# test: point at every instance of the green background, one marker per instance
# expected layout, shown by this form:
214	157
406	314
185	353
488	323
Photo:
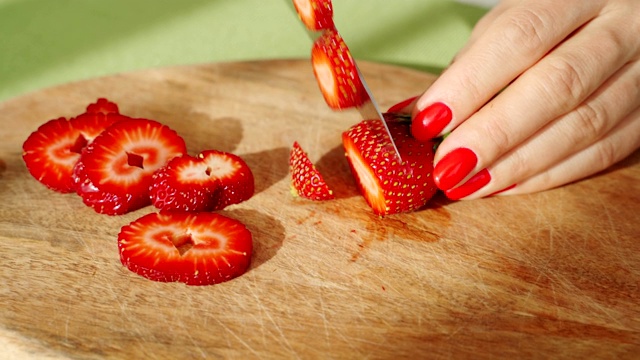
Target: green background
49	42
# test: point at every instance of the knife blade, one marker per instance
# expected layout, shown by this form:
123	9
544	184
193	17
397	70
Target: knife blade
315	27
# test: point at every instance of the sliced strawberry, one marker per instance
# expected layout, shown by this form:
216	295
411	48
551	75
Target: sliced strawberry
336	72
185	184
235	179
388	186
306	180
103	106
118	165
196	249
52	151
315	14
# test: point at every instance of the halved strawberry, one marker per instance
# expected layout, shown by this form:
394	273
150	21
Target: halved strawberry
196	249
315	14
306	180
390	187
114	172
104	106
52	151
336	72
210	181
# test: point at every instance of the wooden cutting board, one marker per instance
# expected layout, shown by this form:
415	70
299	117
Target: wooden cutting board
554	274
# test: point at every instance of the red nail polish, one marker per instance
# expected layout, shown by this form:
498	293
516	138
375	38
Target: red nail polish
454	167
477	182
430	122
401	105
503	190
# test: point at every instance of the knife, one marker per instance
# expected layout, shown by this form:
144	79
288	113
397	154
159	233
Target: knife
317	18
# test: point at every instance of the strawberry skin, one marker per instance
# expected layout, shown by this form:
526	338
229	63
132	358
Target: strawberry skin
52	151
193	248
117	167
103	106
336	72
184	184
388	186
315	14
306	180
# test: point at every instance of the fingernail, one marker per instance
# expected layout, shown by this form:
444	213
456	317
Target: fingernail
503	190
454	167
430	122
401	105
477	182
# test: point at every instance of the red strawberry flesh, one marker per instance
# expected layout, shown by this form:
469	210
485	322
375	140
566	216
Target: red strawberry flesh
235	178
390	187
196	249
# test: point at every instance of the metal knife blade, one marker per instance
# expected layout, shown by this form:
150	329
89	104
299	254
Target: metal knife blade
369	110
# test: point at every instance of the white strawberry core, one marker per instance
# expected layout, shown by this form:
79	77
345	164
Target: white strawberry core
304	8
326	79
220	167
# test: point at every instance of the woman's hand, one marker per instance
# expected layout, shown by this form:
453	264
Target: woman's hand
546	92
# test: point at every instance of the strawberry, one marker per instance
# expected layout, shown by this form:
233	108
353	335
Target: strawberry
114	172
390	187
52	151
210	181
103	106
306	180
336	72
196	249
315	14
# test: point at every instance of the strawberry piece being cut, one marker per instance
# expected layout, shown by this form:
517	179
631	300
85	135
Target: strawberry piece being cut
306	180
196	249
210	181
114	172
390	187
336	72
52	151
316	15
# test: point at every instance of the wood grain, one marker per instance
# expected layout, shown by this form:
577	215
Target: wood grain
554	274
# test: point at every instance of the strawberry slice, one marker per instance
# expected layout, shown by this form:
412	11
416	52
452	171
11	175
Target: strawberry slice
234	177
315	14
115	170
336	72
390	187
196	249
306	180
52	151
104	106
210	181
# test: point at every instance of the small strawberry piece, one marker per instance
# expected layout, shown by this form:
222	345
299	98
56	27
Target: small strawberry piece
185	184
103	106
336	72
115	170
52	151
315	14
390	187
196	249
306	180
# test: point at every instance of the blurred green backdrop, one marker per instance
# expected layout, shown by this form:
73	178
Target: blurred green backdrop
48	42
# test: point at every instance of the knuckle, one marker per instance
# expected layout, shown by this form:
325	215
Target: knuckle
590	121
500	136
524	28
564	80
606	154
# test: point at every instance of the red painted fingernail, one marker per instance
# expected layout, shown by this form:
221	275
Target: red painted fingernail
503	190
401	105
454	167
477	182
430	122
